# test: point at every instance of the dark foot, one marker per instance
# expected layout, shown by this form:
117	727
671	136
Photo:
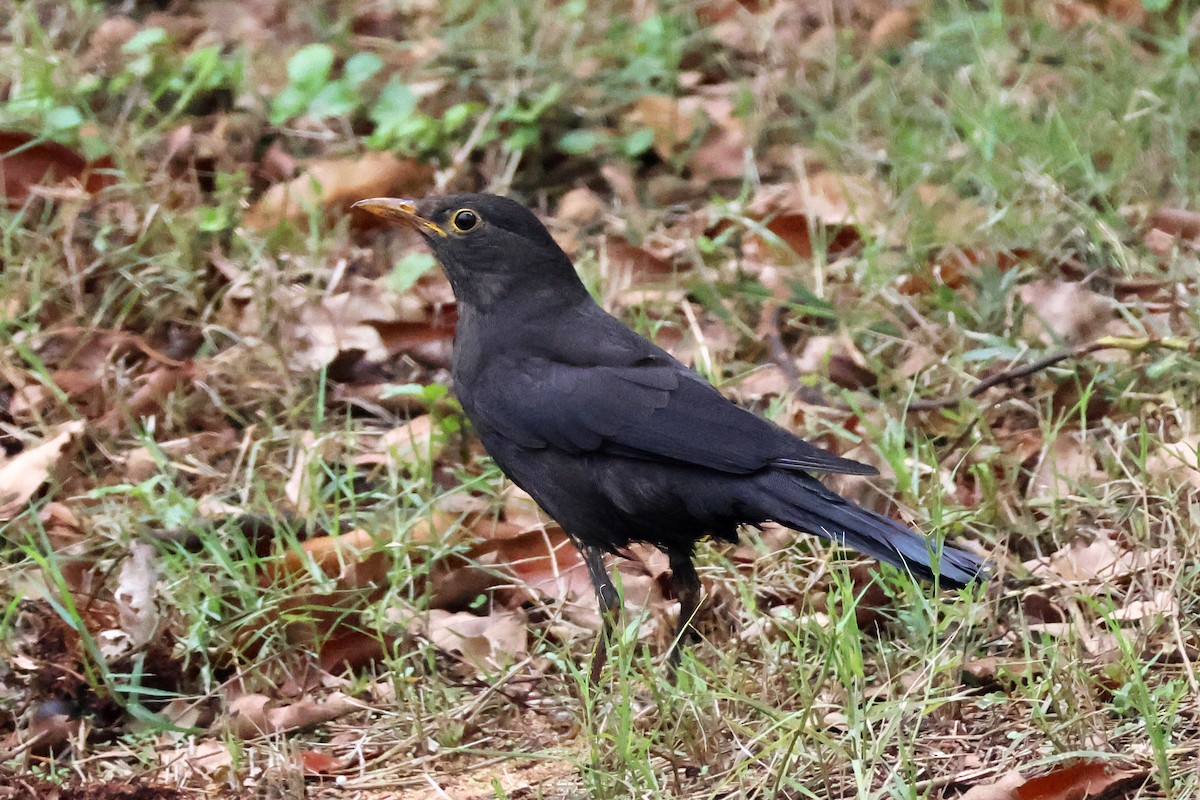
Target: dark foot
610	603
685	583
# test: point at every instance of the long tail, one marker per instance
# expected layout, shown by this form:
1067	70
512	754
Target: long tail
801	502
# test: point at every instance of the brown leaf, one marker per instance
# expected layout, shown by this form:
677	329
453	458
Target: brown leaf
1181	222
402	336
337	184
252	715
310	711
1068	14
619	176
277	164
1102	559
1129	12
825	198
49	732
546	562
1040	609
358	563
721	155
319	329
357	560
106	41
22	475
1076	782
489	641
765	381
988	670
672	120
839	358
1065	465
26	162
315	762
135	595
353	649
1161	606
1177	461
580	207
633	260
1003	789
147	400
897	26
418	440
1066	311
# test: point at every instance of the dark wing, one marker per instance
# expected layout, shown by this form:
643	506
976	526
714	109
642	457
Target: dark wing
654	408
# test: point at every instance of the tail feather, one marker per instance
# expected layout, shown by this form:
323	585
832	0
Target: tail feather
801	502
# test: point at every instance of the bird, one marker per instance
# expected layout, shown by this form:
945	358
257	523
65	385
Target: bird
611	435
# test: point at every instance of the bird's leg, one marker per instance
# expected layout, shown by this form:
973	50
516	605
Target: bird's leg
610	603
685	583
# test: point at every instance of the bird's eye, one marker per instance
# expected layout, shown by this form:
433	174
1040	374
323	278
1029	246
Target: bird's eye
465	220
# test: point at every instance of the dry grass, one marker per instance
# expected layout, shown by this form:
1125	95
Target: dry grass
847	218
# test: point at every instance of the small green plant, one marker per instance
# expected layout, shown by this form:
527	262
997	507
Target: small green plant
400	123
313	91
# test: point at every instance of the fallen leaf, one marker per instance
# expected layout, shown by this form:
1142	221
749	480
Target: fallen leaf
838	358
1181	222
580	207
1101	558
792	212
896	27
253	715
419	440
356	559
22	475
673	121
1003	789
619	176
1068	15
309	712
1065	311
106	41
1162	606
353	649
627	259
721	154
487	641
315	762
338	184
147	400
137	588
48	732
1077	782
765	381
1040	609
546	563
1159	242
1177	461
367	317
1065	465
26	163
990	669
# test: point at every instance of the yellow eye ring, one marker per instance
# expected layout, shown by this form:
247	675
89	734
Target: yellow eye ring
465	220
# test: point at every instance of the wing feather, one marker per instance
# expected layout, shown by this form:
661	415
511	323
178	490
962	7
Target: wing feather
654	409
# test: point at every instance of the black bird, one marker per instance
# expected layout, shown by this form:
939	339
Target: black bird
611	435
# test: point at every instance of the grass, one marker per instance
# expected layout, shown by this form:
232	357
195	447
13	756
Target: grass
1000	149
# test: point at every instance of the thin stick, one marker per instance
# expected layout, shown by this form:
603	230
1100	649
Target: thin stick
1133	344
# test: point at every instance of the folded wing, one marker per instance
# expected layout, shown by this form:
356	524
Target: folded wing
652	409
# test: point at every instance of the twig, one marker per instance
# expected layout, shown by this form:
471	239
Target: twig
768	328
1133	344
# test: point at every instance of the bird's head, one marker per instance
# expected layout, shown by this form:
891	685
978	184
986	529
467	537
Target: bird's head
490	247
